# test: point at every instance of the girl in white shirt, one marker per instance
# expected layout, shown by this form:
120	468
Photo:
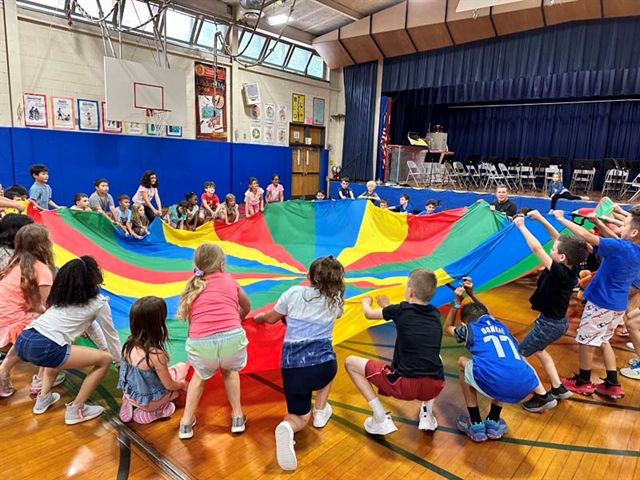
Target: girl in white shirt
74	302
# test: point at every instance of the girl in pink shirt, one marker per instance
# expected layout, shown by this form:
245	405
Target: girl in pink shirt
253	198
275	191
215	305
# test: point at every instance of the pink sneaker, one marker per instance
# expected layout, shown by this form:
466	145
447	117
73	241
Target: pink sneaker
572	385
612	391
144	417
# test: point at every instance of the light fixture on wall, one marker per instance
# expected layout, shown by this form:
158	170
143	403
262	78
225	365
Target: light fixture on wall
280	19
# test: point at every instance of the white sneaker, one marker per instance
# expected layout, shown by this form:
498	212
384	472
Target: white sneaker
633	373
238	424
285	453
43	403
427	421
630	346
321	417
380	428
81	413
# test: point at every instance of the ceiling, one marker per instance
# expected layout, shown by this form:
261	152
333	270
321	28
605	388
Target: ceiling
310	18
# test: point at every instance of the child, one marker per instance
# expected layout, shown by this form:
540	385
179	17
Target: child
369	193
556	190
308	360
75	301
275	191
607	297
123	216
228	211
502	204
416	372
18	194
40	192
147	191
215	305
253	198
101	200
345	192
177	215
429	207
193	219
404	207
210	202
10	224
551	299
320	196
81	202
384	204
496	369
146	380
139	221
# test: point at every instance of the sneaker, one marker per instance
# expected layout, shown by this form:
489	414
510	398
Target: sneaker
81	413
6	389
43	403
538	403
126	410
630	346
633	373
186	429
613	391
634	362
572	384
238	424
428	420
144	417
321	417
285	453
380	428
560	393
36	383
476	431
495	430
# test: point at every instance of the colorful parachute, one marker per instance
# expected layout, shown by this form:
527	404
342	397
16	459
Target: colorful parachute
269	253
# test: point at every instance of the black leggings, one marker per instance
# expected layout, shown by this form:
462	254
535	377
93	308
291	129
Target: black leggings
567	195
149	213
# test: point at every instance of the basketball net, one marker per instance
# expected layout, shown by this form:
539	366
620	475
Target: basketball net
158	119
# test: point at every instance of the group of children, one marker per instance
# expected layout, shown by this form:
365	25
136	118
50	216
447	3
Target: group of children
404	205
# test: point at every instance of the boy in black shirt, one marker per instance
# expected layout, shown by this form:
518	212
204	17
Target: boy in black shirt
551	299
502	203
416	372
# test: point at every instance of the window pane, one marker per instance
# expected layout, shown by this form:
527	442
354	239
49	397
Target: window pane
91	7
208	30
59	4
136	13
316	67
279	53
255	47
179	25
299	59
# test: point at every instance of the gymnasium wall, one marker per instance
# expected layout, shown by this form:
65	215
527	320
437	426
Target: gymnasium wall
5	117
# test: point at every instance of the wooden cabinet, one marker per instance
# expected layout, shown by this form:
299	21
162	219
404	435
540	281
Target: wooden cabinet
305	159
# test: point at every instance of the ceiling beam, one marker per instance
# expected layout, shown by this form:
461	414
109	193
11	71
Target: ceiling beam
341	9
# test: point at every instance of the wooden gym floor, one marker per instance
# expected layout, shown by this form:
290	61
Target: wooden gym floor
583	437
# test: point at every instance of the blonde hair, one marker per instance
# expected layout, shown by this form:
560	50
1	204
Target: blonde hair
371	183
208	258
136	218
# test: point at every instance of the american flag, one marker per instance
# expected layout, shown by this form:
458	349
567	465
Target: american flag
385	138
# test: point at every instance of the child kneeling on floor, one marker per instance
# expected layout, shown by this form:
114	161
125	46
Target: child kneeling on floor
149	385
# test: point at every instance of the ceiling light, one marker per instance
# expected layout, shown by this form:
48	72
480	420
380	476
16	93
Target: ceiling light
278	19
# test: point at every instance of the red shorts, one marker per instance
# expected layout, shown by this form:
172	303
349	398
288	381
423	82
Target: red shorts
403	388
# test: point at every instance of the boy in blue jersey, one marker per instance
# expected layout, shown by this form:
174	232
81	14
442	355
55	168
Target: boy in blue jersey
607	298
496	369
40	191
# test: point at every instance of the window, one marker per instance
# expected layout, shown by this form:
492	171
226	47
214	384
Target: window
91	7
57	4
254	49
316	67
207	32
179	25
299	59
279	54
136	13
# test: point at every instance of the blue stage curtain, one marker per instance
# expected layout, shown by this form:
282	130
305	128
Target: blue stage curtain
577	60
360	90
384	106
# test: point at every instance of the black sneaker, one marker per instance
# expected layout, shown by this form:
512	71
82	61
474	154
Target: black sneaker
560	393
537	403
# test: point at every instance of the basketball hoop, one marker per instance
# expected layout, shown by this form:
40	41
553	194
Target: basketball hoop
158	120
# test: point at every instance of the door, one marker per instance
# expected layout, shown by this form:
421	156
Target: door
305	171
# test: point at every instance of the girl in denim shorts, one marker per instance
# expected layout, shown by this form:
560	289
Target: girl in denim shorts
215	305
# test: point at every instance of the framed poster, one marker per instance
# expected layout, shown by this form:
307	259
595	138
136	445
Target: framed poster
297	107
35	110
255	111
88	116
64	115
154	129
109	126
318	111
269	112
134	128
269	134
173	131
256	133
282	114
282	136
211	103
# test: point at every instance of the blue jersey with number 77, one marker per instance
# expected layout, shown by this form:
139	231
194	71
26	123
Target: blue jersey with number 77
498	368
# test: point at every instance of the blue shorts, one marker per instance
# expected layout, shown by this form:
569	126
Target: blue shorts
33	347
545	331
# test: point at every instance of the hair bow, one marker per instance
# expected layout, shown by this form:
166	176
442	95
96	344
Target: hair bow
197	272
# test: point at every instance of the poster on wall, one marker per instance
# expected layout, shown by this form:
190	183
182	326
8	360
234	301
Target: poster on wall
211	108
64	115
109	126
134	128
269	112
297	108
282	135
256	132
269	134
318	111
174	131
88	117
35	110
282	114
255	112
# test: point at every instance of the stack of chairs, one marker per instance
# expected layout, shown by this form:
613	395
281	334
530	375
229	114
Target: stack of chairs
584	173
616	176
